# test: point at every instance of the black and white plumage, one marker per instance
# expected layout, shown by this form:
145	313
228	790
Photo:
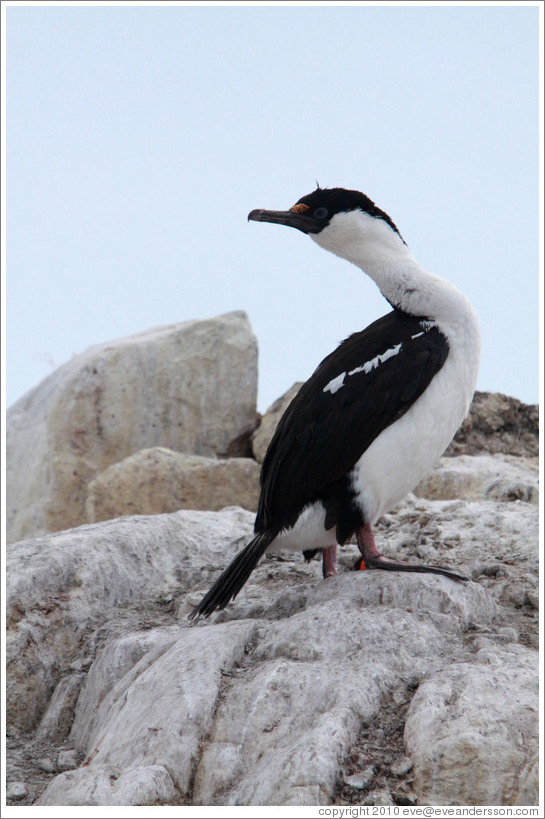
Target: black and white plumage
376	414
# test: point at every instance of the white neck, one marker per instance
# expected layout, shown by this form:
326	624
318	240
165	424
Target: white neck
372	245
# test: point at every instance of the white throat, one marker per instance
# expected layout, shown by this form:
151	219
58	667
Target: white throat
372	245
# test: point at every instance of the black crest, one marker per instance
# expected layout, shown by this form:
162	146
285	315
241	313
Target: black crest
341	200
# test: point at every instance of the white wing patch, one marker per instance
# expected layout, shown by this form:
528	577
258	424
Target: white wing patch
336	383
378	359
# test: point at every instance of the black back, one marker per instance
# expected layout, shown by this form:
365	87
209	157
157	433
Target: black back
322	434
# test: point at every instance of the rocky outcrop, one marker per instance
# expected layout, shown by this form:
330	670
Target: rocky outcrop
190	387
158	480
367	688
62	585
370	688
498	423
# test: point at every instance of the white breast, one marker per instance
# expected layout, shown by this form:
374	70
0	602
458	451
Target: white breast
409	448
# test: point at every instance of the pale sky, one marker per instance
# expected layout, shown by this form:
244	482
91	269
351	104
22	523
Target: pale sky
139	138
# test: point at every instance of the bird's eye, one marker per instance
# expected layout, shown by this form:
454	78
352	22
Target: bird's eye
321	213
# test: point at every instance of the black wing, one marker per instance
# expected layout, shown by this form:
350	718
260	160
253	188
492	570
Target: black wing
334	418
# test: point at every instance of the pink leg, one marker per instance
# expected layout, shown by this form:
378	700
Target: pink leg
329	561
373	559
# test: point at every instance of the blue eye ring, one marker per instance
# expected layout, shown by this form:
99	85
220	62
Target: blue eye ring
321	213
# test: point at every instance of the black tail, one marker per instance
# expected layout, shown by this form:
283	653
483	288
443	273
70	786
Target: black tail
233	578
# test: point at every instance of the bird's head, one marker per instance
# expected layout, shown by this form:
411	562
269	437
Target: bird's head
337	219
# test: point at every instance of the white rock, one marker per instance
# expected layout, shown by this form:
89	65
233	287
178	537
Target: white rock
267	741
381	797
67	760
144	785
480	718
320	674
476	477
139	785
113	664
190	387
360	781
466	535
80	787
57	720
60	586
158	480
148	711
16	791
45	764
401	766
